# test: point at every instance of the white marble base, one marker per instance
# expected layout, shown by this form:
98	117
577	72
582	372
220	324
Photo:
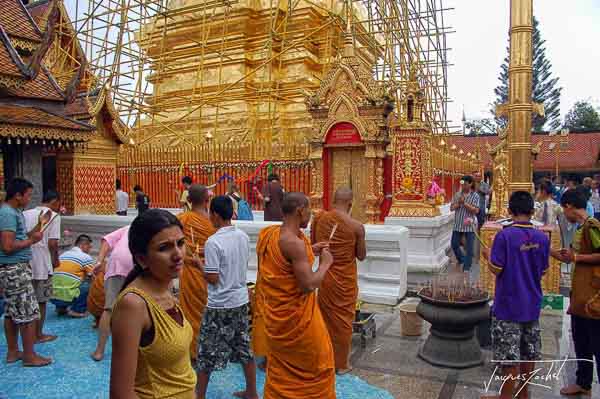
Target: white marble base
382	275
429	240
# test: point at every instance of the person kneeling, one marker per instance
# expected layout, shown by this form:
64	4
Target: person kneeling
519	258
225	334
70	281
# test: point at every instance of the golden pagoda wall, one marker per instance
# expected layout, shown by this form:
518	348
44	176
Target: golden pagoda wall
245	110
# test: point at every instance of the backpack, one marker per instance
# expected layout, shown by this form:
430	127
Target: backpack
244	211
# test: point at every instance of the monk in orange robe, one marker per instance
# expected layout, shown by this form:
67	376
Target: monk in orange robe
339	290
300	356
259	338
193	292
95	299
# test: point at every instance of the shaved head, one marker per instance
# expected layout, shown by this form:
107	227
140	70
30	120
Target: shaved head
293	201
343	195
198	194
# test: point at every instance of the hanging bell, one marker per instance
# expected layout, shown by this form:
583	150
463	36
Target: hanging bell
18	141
9	142
26	141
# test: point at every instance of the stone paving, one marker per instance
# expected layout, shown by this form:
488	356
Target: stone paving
390	361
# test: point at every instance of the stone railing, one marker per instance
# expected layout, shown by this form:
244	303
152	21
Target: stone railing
382	275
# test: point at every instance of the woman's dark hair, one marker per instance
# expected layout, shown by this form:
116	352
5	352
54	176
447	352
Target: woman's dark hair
118	184
521	203
142	231
186	180
137	187
272	177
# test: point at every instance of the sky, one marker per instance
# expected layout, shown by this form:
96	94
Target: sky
478	46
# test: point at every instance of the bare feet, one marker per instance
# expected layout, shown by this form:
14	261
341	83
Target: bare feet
245	395
343	371
13	357
76	314
45	338
97	357
37	361
574	389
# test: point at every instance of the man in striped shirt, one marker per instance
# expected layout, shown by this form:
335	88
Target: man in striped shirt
465	205
71	279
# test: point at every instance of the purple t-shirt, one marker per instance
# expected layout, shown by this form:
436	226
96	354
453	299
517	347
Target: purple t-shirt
522	252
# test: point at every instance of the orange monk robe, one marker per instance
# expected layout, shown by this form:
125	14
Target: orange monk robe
259	338
300	357
193	292
339	289
95	299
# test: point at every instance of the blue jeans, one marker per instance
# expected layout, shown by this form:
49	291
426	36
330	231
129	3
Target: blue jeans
77	305
464	259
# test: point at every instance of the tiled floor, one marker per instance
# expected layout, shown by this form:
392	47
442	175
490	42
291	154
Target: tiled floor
73	375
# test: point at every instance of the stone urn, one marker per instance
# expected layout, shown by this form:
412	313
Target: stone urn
452	341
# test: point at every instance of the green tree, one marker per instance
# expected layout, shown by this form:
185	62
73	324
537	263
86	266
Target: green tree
582	116
545	87
476	127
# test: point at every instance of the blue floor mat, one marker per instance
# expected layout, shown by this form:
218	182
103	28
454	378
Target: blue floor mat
75	375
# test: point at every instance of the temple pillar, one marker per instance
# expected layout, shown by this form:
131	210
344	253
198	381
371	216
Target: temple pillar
316	175
520	105
374	154
32	171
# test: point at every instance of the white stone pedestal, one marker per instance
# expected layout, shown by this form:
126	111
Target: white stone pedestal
382	276
429	240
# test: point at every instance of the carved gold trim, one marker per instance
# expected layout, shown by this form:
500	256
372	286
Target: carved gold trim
11	81
24	44
47	133
413	209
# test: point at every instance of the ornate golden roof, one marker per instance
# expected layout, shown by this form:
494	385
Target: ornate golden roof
33	104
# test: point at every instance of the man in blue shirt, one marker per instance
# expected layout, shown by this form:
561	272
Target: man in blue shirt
519	258
22	309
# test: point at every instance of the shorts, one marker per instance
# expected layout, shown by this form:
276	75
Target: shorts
112	288
224	337
21	305
42	289
516	341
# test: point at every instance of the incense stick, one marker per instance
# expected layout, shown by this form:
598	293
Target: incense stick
333	232
45	226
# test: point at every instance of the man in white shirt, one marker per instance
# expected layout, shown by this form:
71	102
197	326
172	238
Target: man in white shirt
225	334
44	256
122	200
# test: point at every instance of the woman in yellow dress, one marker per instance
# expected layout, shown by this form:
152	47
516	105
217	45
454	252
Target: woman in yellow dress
151	338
